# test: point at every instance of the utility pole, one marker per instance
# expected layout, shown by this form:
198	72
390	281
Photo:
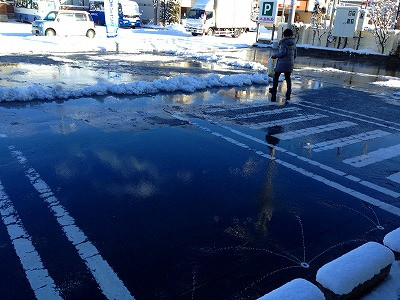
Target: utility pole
291	13
332	15
331	22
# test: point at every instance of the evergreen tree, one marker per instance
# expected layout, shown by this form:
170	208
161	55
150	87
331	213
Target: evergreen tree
163	11
173	11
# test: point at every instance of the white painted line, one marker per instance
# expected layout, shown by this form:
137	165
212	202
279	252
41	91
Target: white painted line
373	157
267	112
380	123
287	121
395	177
351	177
380	189
108	281
305	159
313	130
354	113
385	206
39	279
233	108
349	140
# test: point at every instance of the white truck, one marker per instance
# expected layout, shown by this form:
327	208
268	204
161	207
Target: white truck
220	17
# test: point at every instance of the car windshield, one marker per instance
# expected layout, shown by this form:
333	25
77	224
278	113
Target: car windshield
195	14
51	16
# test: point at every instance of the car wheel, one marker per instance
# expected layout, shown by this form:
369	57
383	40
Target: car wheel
50	32
236	33
194	33
210	32
90	33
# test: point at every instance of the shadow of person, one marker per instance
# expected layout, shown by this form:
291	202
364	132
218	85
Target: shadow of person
271	139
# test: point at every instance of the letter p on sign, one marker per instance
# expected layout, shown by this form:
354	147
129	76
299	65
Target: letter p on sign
267	9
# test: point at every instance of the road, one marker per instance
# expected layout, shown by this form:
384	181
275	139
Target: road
218	194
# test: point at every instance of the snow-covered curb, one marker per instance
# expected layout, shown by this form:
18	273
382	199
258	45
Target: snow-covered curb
187	84
392	240
349	272
297	289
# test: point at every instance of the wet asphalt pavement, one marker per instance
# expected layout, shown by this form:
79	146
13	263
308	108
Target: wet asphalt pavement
218	194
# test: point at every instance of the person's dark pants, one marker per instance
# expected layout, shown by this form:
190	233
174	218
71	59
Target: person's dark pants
288	83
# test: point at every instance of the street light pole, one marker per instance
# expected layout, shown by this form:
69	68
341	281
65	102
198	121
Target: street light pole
291	13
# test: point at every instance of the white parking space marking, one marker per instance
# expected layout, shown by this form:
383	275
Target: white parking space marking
305	159
108	281
267	112
379	124
373	201
330	108
39	279
374	157
288	121
349	140
395	177
313	130
380	189
233	108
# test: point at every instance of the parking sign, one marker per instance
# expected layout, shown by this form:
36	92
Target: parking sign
268	11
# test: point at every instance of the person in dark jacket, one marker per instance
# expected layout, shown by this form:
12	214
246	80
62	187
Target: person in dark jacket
286	56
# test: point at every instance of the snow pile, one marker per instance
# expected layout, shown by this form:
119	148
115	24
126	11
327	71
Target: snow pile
297	289
188	84
393	83
217	59
345	273
392	240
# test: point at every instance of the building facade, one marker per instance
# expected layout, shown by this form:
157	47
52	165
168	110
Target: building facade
149	13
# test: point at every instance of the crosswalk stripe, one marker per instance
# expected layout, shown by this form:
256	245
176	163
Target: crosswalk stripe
373	157
233	108
313	130
385	206
349	140
108	281
395	177
287	121
267	112
39	279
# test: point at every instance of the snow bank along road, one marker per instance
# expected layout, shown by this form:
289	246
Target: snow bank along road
60	209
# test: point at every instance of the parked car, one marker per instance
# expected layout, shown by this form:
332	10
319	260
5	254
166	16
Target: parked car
65	22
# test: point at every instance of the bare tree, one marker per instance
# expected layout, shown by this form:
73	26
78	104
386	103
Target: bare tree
383	14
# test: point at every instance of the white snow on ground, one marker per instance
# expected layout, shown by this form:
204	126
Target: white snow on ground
188	84
19	39
362	51
171	40
297	289
345	273
393	83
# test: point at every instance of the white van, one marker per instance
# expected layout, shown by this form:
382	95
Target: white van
65	22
